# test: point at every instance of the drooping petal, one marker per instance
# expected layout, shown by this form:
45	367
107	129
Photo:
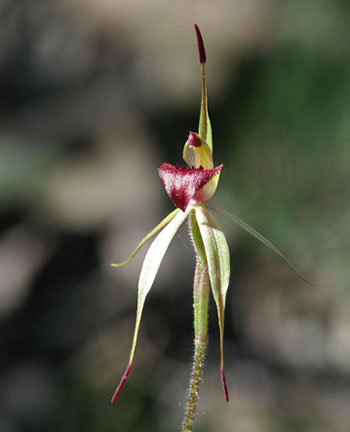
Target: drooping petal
164	222
182	184
150	267
218	258
261	238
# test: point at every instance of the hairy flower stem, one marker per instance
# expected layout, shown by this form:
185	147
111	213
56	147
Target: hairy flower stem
195	381
200	307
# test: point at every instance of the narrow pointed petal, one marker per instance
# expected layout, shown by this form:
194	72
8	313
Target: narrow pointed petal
218	258
260	237
182	184
164	222
148	273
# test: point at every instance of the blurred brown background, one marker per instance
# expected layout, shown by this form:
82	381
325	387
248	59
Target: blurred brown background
94	96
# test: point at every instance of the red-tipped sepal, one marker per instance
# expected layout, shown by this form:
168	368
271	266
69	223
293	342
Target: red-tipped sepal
150	267
122	382
201	49
223	382
184	184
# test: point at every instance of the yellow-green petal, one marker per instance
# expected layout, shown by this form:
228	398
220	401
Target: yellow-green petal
150	267
204	128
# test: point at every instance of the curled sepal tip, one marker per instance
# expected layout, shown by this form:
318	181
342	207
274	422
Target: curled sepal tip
150	267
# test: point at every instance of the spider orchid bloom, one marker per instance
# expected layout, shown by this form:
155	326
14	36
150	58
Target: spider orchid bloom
189	188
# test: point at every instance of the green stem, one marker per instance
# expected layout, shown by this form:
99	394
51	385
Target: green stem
200	306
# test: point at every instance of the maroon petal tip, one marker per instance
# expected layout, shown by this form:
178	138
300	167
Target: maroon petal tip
122	382
201	49
223	383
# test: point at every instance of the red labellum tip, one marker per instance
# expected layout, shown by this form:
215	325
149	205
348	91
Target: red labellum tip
201	49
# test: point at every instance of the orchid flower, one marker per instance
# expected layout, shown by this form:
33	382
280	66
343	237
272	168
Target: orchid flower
189	188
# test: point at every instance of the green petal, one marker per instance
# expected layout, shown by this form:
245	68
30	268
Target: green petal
164	222
150	266
204	129
260	237
218	259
